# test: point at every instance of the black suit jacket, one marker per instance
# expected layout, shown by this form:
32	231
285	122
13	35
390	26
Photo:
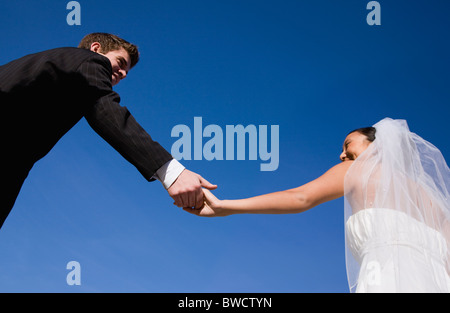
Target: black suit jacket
43	95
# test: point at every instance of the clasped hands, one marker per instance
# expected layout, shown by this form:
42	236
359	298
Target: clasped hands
191	192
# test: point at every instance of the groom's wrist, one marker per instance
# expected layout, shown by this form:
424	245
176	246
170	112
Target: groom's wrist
169	172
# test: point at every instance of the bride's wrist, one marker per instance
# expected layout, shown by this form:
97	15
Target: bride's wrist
221	204
226	207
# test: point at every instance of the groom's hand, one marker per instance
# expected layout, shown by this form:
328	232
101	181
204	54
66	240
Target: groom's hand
187	192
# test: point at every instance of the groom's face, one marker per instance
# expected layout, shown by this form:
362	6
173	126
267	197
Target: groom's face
120	63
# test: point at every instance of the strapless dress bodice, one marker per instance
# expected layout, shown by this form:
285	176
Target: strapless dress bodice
396	253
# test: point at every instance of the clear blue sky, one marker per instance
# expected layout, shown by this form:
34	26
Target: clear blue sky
315	68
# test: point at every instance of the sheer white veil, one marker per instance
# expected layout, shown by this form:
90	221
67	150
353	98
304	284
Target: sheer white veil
408	178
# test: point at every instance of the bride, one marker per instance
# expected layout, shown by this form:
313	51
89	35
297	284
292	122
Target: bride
396	191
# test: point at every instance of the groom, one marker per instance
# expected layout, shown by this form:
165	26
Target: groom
43	95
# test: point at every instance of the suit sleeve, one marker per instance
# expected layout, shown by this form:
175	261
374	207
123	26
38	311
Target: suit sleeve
115	124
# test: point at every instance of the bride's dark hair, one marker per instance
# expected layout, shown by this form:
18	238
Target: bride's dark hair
369	132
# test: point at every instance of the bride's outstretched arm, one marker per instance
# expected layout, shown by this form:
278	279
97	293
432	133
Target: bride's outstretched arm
327	187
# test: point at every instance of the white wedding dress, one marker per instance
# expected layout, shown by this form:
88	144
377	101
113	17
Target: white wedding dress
397	214
396	253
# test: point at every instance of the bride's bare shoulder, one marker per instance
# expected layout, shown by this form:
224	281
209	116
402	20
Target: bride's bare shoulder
340	168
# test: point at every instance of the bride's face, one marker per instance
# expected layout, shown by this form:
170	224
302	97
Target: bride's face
354	145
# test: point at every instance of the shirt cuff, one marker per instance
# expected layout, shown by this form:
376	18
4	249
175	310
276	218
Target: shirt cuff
169	172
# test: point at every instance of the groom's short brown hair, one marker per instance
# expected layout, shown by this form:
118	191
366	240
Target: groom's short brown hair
110	42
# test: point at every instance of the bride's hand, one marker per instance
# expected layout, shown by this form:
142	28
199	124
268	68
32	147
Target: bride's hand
211	206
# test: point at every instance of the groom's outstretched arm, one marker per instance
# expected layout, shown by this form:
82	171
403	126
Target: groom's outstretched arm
117	126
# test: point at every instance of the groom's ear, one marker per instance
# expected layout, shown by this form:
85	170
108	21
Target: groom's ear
96	47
